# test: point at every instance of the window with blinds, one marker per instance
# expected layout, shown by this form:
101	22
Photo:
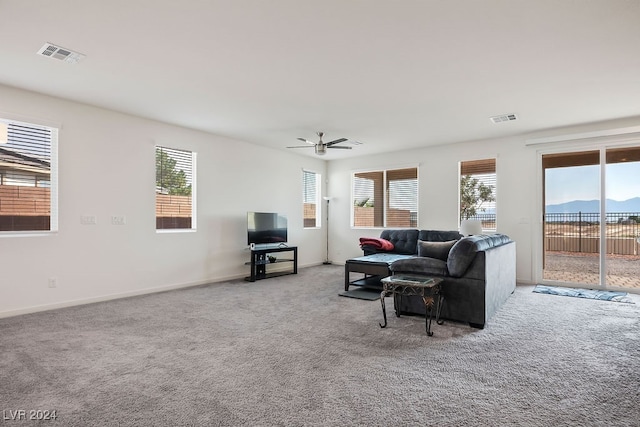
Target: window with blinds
28	177
175	186
387	198
311	199
478	192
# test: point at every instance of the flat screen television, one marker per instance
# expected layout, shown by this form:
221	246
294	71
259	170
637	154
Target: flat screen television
266	228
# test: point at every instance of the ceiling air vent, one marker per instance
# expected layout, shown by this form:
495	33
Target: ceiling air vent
60	53
503	118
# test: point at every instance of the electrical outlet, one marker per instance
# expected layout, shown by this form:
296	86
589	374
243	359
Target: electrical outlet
118	220
88	220
53	282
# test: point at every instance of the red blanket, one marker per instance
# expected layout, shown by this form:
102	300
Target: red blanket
377	243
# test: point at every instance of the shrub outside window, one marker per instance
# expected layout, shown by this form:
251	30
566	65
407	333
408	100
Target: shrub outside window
478	192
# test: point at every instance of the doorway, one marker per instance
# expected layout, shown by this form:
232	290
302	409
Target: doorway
587	195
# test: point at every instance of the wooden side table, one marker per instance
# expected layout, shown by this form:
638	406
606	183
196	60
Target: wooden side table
426	287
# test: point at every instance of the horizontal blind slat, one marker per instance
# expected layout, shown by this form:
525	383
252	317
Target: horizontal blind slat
478	167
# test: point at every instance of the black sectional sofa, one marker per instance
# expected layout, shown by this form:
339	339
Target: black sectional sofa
377	259
479	272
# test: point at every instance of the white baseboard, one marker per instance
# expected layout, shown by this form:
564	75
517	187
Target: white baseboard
137	292
109	297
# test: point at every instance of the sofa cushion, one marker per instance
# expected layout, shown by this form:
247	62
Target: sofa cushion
420	265
439	235
461	256
438	250
377	243
405	241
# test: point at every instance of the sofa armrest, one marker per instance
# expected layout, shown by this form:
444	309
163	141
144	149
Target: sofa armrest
500	276
464	251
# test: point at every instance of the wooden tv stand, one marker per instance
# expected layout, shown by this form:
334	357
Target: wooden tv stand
260	260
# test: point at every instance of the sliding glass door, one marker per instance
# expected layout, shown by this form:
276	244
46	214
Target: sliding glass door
572	217
587	195
622	255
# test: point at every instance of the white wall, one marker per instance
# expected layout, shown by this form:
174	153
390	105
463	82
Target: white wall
107	167
519	210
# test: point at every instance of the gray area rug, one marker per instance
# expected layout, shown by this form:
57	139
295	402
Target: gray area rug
289	351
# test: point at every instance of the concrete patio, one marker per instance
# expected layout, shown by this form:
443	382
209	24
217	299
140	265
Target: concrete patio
623	271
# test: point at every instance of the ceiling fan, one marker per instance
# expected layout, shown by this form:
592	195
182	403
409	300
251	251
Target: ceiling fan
321	146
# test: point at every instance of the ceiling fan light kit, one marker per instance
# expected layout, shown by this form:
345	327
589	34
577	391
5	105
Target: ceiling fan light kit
321	147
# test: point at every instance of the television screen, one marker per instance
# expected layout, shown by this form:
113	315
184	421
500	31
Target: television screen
266	227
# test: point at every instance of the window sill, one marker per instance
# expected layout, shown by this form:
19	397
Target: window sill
176	230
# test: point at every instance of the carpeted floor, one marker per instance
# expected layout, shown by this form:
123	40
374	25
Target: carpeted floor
289	351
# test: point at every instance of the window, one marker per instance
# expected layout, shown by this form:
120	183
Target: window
387	198
478	192
311	199
28	177
175	185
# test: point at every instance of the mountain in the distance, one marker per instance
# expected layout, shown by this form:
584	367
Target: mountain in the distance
593	206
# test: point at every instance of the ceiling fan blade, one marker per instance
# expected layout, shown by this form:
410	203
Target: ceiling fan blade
341	147
301	146
307	141
336	141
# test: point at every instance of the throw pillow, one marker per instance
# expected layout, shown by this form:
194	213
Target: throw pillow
438	250
462	255
376	242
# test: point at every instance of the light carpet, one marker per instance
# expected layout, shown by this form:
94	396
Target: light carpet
289	351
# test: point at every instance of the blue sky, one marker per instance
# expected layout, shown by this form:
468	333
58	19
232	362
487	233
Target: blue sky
583	183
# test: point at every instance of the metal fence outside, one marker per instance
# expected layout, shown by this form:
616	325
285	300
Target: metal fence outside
488	221
580	232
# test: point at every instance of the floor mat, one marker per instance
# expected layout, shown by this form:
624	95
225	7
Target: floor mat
584	293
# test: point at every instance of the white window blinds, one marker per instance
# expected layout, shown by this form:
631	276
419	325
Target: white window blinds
387	198
28	171
175	184
311	199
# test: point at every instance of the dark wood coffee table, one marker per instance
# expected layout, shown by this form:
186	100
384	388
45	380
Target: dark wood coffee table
403	284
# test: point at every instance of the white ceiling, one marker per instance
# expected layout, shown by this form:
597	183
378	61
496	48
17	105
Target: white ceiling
391	74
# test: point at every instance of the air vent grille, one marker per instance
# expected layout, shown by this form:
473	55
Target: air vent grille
503	118
56	52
